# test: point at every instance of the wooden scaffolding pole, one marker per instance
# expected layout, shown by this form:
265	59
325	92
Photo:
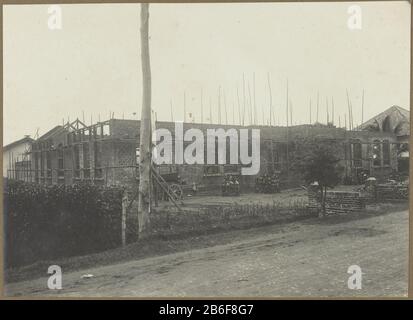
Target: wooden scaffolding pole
270	92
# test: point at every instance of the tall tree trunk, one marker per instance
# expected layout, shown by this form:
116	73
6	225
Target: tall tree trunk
145	129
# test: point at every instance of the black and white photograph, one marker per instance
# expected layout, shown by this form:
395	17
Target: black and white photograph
203	150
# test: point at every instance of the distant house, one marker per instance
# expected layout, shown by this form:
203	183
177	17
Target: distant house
16	156
394	120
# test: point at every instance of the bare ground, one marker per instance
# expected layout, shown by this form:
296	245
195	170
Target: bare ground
303	258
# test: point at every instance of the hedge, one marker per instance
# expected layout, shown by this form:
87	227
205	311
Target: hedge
47	222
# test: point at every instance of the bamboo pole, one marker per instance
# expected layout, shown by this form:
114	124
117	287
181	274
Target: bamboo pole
233	112
219	105
263	117
210	110
244	100
255	105
269	88
172	113
273	115
250	104
225	107
291	113
184	107
310	111
287	105
362	108
332	111
239	108
349	110
202	108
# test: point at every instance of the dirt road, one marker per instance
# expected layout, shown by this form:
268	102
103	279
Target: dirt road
304	258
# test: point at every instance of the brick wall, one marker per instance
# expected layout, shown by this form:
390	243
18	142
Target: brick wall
337	202
392	192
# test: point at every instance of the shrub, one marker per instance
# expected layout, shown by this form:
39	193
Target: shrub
46	222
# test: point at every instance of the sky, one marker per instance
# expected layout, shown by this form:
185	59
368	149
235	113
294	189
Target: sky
91	67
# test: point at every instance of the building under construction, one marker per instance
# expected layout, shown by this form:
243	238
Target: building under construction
106	153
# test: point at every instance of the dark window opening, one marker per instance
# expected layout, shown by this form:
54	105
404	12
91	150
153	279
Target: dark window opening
41	164
377	153
386	153
98	160
49	164
86	161
60	162
76	161
357	154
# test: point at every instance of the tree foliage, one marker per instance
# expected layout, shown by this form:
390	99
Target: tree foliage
318	161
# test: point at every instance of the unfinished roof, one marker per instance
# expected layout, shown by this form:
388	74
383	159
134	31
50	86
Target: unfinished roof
50	133
395	119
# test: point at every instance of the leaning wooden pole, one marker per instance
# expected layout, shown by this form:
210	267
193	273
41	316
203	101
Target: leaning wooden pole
144	206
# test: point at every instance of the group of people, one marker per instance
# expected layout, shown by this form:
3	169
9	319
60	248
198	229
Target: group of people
231	186
268	183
